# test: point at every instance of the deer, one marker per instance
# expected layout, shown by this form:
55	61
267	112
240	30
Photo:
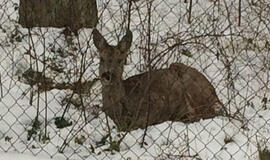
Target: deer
177	93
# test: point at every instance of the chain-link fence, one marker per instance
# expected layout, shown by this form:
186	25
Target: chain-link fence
51	94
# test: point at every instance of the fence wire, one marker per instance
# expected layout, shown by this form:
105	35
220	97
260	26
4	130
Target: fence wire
51	94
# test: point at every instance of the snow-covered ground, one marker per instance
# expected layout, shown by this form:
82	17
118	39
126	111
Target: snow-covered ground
17	156
220	138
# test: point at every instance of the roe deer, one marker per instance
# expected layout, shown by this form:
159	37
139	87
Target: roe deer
177	93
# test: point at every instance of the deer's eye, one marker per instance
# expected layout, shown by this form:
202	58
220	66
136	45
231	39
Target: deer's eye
101	59
119	61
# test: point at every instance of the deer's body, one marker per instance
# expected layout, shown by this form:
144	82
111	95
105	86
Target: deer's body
178	93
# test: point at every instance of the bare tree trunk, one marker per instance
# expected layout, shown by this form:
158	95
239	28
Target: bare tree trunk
58	13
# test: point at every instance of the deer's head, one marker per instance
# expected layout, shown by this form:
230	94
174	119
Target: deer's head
112	58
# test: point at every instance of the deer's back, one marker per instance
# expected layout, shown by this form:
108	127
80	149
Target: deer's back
179	93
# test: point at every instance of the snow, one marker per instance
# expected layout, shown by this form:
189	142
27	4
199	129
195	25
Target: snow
16	156
219	138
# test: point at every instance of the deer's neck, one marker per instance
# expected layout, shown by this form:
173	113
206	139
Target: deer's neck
114	93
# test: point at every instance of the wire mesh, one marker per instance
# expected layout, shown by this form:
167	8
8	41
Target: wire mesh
51	94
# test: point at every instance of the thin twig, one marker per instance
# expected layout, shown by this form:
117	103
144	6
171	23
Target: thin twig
44	82
1	87
189	12
239	13
149	6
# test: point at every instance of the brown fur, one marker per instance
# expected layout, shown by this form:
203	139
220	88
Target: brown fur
178	93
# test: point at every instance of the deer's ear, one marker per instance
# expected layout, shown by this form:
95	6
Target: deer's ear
125	42
99	41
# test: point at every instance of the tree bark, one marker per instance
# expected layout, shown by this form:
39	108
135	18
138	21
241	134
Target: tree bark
75	14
